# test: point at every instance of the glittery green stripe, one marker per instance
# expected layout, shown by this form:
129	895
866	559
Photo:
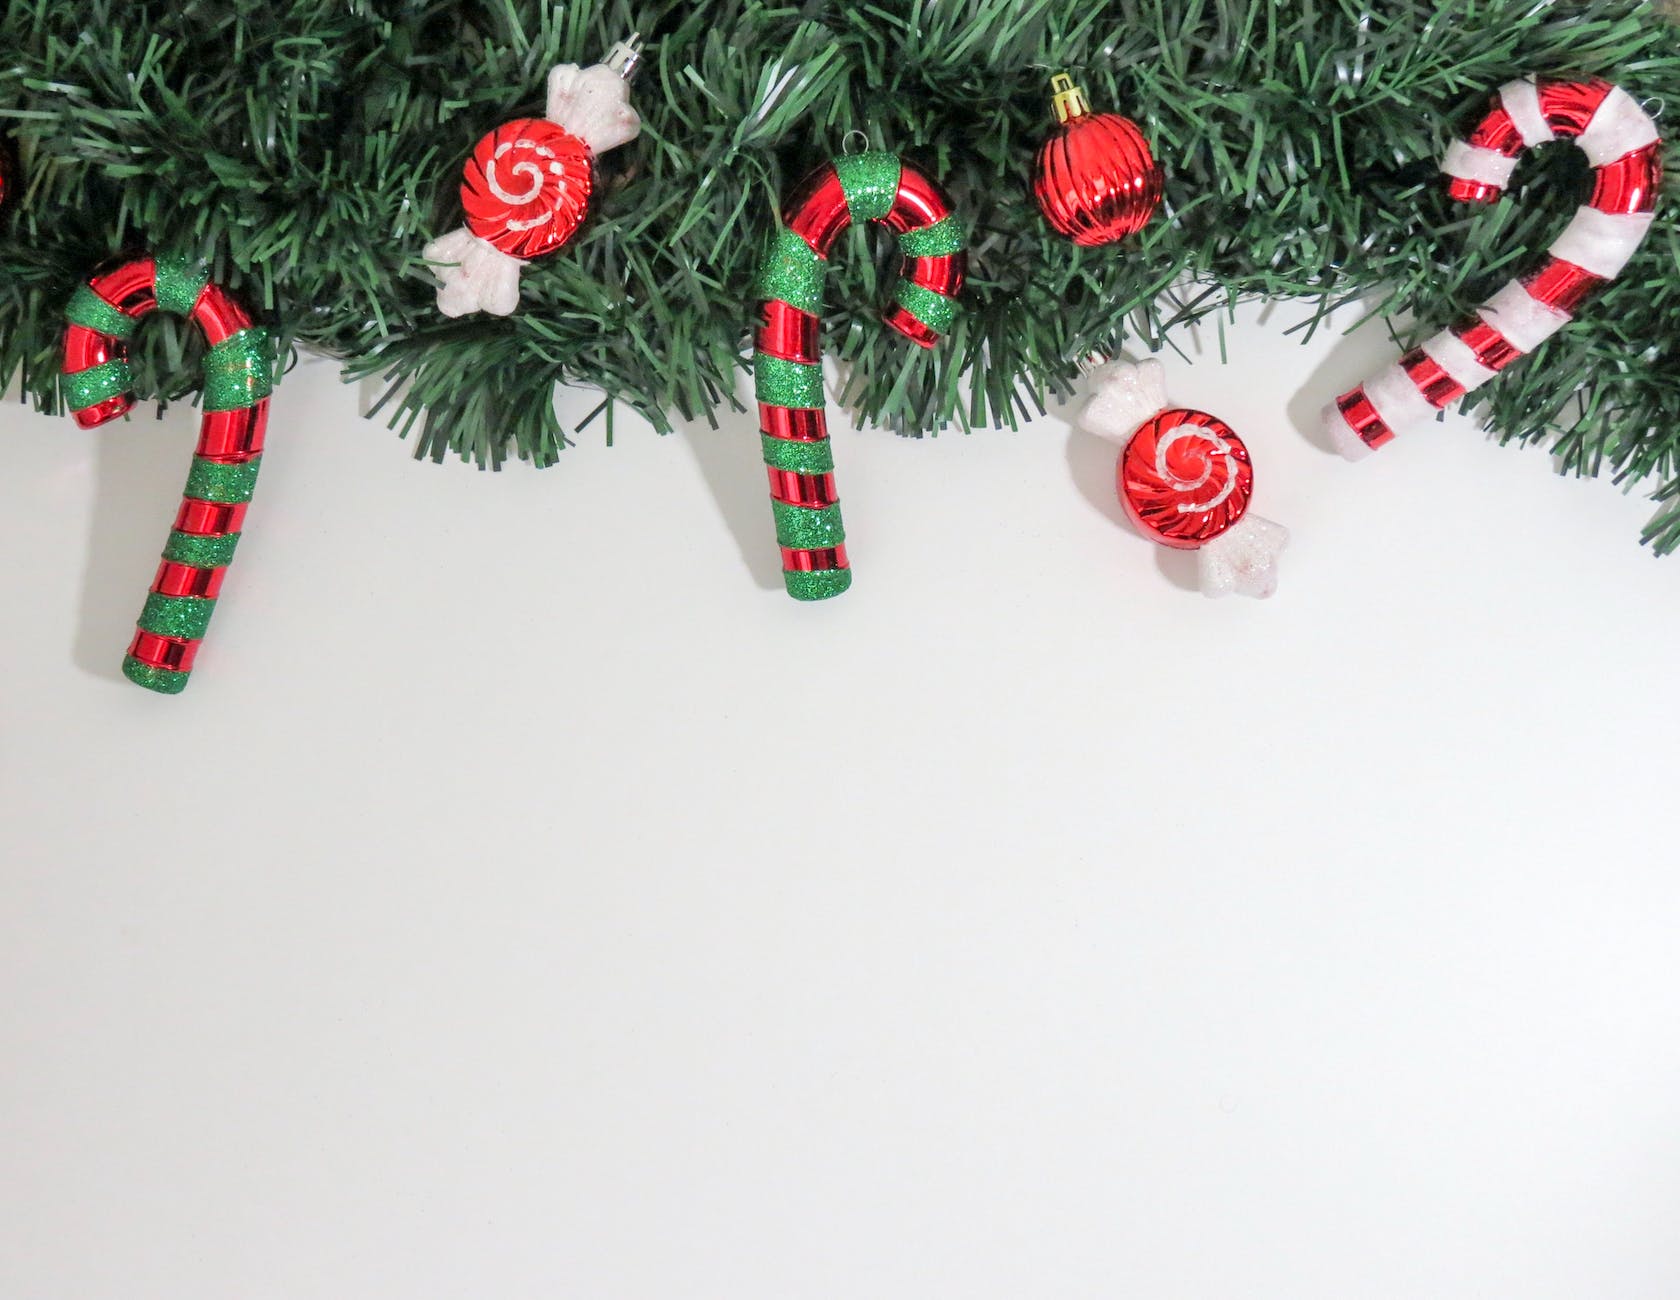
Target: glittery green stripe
816	584
236	371
182	616
214	480
808	529
165	681
89	309
800	456
934	310
178	284
201	552
780	382
92	386
792	272
869	182
943	237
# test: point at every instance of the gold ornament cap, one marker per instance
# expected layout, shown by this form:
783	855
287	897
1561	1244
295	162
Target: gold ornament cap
1067	98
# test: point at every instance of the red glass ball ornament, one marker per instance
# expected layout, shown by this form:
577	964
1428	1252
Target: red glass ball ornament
526	187
1095	179
1185	477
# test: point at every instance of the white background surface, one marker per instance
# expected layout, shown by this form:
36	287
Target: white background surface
526	899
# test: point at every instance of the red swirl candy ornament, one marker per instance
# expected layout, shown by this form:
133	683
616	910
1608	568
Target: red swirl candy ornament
527	186
1185	479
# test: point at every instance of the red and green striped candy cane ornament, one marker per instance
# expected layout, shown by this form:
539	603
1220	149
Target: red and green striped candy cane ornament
787	363
98	386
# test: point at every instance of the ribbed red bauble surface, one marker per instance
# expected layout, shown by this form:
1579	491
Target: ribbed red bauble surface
1095	180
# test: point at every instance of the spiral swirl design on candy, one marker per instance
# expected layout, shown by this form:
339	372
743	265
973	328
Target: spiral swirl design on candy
787	364
1185	478
98	386
527	186
1622	146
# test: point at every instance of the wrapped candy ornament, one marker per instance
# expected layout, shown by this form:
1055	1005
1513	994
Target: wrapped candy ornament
1185	479
527	186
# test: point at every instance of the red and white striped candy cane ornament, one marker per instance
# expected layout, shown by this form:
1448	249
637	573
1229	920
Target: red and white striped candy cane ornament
1621	142
787	366
1185	479
98	386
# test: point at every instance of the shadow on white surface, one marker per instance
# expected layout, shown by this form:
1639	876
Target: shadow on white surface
732	463
142	463
1091	462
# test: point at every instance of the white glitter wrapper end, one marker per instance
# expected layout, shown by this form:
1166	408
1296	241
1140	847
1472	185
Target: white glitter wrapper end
1243	560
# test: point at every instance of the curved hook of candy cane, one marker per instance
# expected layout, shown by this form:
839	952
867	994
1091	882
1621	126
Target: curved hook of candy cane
1621	143
787	363
98	386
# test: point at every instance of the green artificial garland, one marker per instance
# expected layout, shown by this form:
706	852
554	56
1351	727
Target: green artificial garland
307	150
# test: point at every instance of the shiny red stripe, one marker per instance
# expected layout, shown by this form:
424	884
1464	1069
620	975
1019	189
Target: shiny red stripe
801	425
1437	386
1561	285
1363	419
1464	191
85	348
1569	105
1629	184
942	274
233	436
90	417
218	315
130	288
176	579
163	651
817	210
209	518
787	332
919	202
1498	132
792	488
898	318
1492	348
829	557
